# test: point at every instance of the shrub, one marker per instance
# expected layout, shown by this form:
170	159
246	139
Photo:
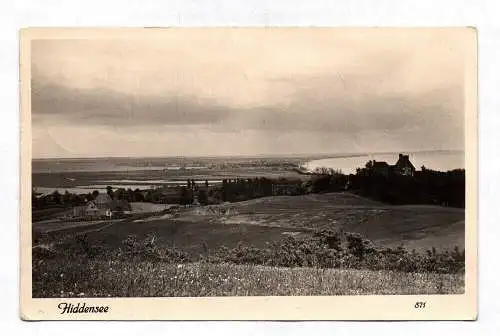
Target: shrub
327	249
322	249
148	249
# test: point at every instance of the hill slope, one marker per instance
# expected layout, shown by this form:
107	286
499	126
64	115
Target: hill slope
263	220
416	226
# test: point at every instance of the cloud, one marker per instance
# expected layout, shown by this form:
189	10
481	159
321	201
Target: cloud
311	109
105	107
226	91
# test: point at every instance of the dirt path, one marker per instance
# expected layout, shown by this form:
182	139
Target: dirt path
68	226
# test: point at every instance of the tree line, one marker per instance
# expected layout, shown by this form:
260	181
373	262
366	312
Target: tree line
67	199
425	187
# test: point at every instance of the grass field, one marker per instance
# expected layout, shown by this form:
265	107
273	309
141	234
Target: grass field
147	279
257	223
268	219
415	226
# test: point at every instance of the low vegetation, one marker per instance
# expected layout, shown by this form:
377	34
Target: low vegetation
108	278
329	263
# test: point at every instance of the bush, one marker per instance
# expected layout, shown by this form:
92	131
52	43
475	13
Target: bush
147	249
328	249
323	249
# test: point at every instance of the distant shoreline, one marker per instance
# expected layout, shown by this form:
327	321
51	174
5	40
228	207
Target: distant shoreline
311	156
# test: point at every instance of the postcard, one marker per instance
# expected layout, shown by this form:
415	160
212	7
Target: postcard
248	173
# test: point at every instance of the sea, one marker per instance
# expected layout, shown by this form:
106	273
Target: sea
435	160
84	175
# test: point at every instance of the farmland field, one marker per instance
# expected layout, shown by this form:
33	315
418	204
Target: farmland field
268	219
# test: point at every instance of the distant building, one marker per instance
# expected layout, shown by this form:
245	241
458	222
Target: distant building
381	167
102	199
402	167
103	206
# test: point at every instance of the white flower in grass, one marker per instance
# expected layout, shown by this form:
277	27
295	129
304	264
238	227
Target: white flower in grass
62	275
179	266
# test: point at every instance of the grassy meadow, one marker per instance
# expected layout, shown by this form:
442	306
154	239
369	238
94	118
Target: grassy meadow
329	244
97	278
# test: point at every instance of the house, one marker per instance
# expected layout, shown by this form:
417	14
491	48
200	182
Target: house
103	206
89	211
381	167
102	200
402	167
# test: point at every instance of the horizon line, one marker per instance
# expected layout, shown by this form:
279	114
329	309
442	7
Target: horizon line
249	155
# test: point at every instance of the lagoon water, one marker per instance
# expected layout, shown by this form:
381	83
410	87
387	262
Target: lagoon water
437	160
125	184
110	165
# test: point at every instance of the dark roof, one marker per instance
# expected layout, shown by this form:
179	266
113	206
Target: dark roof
404	161
102	199
113	205
380	164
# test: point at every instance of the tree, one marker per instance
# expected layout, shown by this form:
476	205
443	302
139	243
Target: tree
137	196
120	194
109	191
67	197
203	197
56	197
186	196
326	171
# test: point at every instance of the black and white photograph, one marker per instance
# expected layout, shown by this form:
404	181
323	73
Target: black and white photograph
249	162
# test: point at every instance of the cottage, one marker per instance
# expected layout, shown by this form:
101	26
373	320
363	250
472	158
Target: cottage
402	167
102	199
89	211
381	167
103	206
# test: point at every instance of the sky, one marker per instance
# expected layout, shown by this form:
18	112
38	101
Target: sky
196	92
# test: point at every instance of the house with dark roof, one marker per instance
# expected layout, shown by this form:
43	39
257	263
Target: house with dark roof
381	167
402	167
103	206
